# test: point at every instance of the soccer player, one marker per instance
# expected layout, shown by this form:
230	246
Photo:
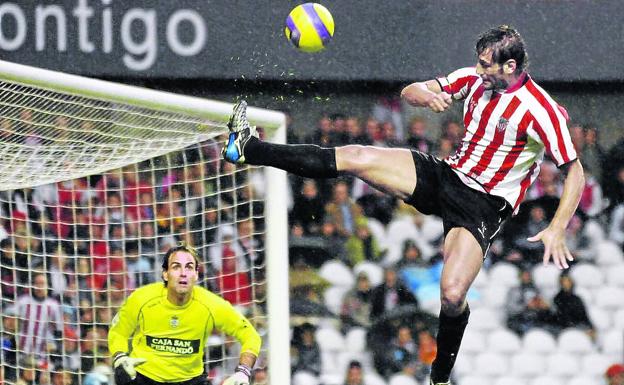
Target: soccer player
169	325
510	122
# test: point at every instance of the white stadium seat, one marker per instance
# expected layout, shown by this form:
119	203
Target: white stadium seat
494	296
600	318
527	365
595	364
482	280
608	253
562	364
615	275
355	340
587	275
333	296
508	380
337	273
618	319
504	273
402	379
330	339
474	380
610	298
491	364
484	319
612	342
585	380
575	341
305	378
373	271
539	341
464	364
332	378
372	378
546	277
546	380
503	341
473	342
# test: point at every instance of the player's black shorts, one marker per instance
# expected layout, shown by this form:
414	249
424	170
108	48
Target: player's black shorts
439	191
144	380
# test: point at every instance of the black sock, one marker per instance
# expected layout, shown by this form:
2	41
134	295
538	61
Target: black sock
450	334
306	160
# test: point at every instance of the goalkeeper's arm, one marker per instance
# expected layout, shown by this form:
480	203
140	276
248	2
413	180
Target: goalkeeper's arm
122	327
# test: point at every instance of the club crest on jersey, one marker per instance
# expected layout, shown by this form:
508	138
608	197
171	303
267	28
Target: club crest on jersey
502	124
174	322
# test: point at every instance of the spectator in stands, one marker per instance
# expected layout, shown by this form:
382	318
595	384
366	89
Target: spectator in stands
334	242
569	309
391	139
532	251
361	245
592	155
41	320
402	356
9	343
548	182
342	210
445	147
250	245
356	304
591	200
525	307
374	203
234	284
354	376
70	352
308	208
453	130
8	266
615	374
64	377
416	136
373	131
390	294
355	132
305	352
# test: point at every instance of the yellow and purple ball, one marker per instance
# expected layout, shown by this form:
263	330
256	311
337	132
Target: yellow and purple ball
309	27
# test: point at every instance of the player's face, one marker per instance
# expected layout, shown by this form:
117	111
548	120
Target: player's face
491	73
181	274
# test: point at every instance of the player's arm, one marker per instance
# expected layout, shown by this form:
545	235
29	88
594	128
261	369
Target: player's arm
427	94
553	236
123	326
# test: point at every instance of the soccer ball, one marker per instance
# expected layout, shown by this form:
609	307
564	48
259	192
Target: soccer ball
309	27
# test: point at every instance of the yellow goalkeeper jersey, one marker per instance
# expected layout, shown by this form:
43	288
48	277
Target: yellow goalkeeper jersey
172	338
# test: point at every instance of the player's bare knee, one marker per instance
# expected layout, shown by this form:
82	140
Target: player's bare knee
452	299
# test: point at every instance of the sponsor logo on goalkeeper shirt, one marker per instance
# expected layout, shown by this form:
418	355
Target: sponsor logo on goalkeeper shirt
173	345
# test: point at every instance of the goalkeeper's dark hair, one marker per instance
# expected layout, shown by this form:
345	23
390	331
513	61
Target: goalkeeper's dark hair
181	246
506	43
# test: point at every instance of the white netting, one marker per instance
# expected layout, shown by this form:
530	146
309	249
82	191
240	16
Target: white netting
77	238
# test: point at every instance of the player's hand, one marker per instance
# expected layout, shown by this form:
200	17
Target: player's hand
238	378
124	367
440	102
554	246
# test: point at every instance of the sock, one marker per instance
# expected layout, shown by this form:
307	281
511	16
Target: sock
450	334
306	160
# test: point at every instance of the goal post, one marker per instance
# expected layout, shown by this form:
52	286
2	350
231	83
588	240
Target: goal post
66	135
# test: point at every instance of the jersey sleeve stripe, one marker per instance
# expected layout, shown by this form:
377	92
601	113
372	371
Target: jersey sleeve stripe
497	141
554	118
485	117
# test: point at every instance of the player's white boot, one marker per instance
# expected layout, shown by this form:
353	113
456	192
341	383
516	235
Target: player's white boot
240	133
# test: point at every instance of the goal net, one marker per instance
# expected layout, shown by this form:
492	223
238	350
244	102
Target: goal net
98	180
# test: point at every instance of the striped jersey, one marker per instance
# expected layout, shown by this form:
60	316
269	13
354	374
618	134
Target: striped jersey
506	134
38	320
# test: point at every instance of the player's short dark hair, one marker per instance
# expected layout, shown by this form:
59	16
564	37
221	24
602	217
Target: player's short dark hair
506	43
181	246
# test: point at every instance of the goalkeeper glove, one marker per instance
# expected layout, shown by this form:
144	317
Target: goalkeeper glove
124	367
241	376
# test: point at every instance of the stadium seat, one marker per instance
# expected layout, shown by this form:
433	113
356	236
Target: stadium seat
332	298
615	275
503	341
355	340
509	380
611	342
585	293
594	231
332	379
482	280
610	298
372	378
473	341
484	319
539	341
574	341
527	365
305	378
474	380
494	296
402	379
618	319
546	380
378	231
464	364
608	253
337	273
587	275
595	364
491	364
503	273
585	380
562	365
546	277
330	363
330	340
600	318
373	271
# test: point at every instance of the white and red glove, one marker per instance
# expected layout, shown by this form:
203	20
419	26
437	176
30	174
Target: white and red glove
241	376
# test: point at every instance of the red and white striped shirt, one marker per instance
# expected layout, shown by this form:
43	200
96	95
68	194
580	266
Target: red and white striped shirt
506	134
38	322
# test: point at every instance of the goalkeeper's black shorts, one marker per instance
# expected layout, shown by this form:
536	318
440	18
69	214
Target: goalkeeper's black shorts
439	191
199	380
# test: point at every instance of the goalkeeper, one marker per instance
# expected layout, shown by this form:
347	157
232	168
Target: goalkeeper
169	325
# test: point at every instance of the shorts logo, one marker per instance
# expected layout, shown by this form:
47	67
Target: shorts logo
173	345
502	124
174	322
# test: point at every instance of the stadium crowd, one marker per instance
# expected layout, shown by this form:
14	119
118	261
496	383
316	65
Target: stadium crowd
363	265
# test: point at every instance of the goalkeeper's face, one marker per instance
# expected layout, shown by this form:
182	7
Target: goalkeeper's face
181	273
